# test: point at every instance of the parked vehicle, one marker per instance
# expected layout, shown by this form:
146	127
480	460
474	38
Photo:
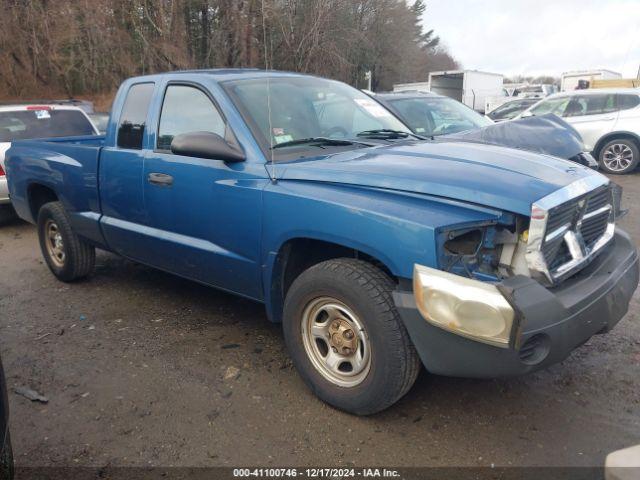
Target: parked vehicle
570	81
521	91
100	120
18	122
511	109
430	115
85	105
440	117
376	250
470	87
607	119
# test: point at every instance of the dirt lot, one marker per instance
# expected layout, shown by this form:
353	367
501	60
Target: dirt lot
133	362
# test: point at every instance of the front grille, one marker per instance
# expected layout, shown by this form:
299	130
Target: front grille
584	218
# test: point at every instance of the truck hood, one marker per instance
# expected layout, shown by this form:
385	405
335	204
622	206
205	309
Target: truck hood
503	178
546	134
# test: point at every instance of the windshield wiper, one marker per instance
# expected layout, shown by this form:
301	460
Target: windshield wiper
320	141
388	134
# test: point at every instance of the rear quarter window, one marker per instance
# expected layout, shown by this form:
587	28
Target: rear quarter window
628	101
133	118
26	124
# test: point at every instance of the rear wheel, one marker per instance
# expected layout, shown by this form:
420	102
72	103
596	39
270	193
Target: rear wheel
346	338
619	156
68	256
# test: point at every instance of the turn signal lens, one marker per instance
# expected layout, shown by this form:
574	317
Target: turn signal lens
466	307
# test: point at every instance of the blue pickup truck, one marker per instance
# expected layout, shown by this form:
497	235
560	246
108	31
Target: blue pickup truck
377	250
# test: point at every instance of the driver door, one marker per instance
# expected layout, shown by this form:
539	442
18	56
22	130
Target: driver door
204	214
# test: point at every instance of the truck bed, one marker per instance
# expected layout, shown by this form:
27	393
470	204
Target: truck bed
67	166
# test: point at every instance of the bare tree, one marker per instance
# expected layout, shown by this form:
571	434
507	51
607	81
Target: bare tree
70	47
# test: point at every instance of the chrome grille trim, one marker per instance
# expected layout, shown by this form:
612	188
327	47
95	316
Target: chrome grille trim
569	227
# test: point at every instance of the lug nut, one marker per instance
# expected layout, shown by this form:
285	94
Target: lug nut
334	349
346	351
336	324
348	334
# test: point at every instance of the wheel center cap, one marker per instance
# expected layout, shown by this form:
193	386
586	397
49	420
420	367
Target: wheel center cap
342	337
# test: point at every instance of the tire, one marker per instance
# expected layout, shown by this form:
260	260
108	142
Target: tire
619	156
6	460
359	295
68	257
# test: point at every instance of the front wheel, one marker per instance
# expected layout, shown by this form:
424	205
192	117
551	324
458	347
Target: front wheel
619	156
346	338
68	256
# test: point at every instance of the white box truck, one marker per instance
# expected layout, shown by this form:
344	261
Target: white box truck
569	80
470	87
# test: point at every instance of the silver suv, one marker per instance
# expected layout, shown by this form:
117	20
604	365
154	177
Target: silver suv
607	119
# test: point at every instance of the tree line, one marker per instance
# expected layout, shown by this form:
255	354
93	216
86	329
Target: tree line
73	47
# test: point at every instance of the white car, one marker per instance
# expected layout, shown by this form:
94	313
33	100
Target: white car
607	119
20	122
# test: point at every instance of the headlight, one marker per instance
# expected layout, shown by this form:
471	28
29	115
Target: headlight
467	307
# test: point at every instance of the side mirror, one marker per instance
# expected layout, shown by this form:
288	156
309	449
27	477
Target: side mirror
205	145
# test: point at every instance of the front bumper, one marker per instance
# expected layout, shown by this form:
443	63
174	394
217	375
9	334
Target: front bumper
586	159
553	322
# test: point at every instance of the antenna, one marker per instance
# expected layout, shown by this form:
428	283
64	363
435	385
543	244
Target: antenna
272	175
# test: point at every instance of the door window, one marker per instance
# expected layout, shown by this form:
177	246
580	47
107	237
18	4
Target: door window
590	105
187	109
134	116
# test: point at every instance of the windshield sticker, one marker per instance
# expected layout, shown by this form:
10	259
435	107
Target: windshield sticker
282	138
373	108
42	114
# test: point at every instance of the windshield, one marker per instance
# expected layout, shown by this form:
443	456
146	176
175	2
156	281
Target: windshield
432	116
556	106
282	110
25	124
510	109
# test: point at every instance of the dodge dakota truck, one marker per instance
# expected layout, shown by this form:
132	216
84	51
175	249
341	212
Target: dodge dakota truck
377	250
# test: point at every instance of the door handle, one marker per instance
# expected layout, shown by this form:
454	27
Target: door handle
161	179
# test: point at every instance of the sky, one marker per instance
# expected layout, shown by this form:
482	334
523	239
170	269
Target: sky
543	37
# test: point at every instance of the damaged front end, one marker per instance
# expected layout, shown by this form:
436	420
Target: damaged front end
486	252
536	287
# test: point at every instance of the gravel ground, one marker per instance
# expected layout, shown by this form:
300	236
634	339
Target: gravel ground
142	368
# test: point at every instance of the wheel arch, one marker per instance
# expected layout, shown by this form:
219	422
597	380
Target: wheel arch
37	195
614	135
297	254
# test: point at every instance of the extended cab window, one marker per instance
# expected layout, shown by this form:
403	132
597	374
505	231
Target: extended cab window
187	109
134	116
